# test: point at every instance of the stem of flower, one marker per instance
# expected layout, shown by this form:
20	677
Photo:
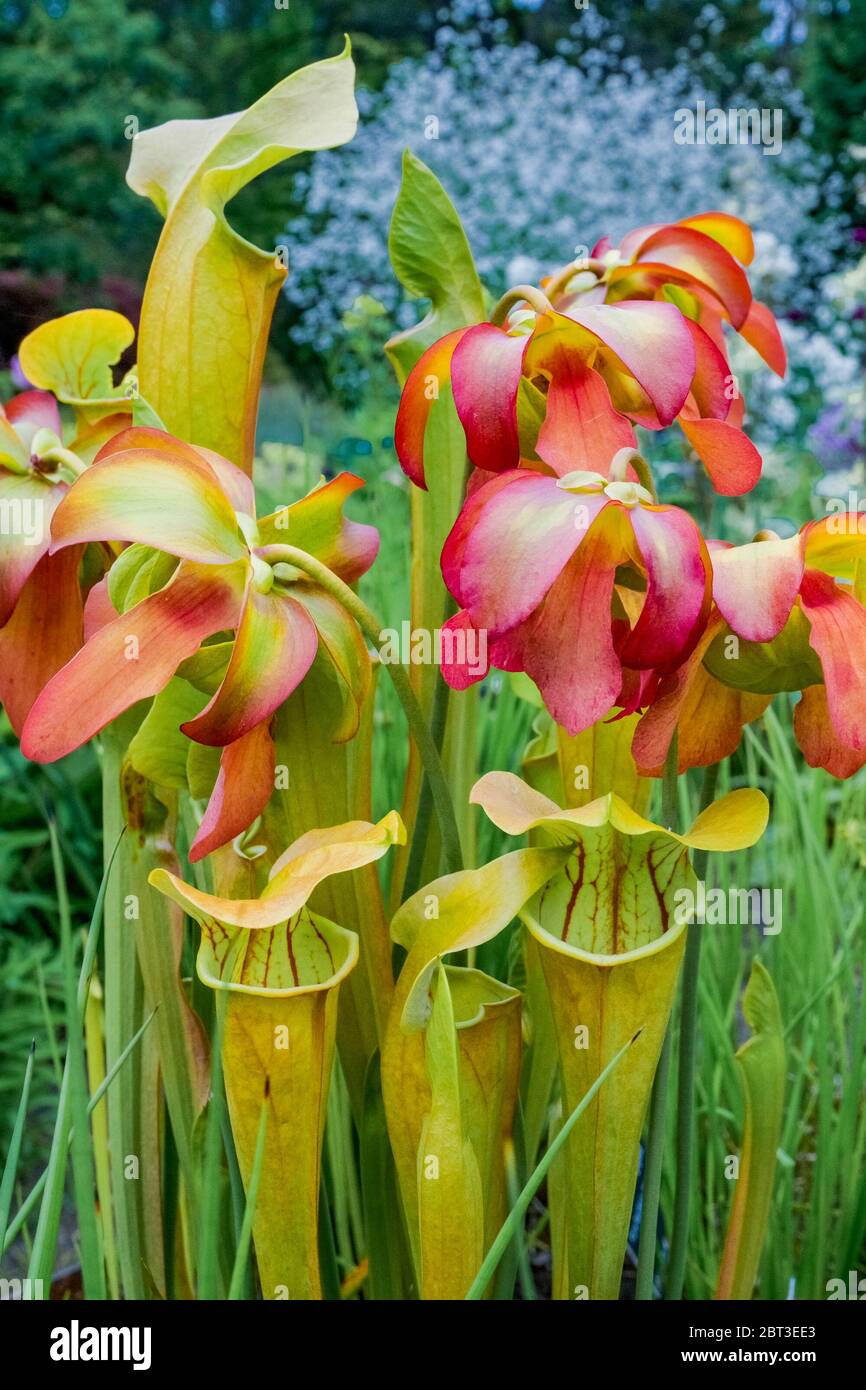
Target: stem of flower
562	277
521	294
372	629
655	1143
686	1074
625	458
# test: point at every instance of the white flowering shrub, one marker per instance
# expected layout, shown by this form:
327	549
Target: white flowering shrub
542	156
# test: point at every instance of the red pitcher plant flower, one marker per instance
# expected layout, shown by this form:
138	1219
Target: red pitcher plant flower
576	366
69	359
697	264
158	494
788	615
543	564
40	596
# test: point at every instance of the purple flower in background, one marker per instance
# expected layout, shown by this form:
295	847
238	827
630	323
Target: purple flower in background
19	380
837	438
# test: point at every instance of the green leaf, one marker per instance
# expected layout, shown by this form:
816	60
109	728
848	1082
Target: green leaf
138	571
73	355
514	1221
761	1062
432	260
159	749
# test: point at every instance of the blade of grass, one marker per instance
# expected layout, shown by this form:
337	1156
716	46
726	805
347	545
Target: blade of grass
83	1167
207	1282
48	1225
39	1186
514	1220
238	1281
10	1168
95	1046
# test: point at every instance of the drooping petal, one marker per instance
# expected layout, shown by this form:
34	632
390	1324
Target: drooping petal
318	525
98	608
651	340
838	635
27	504
273	650
509	543
171	501
567	646
485	374
130	659
237	487
755	585
340	638
431	372
459	641
314	858
94	440
712	380
43	633
705	260
581	429
634	240
729	456
817	739
707	717
244	783
673	554
762	331
729	231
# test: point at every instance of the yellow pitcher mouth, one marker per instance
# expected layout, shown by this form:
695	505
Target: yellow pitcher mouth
545	938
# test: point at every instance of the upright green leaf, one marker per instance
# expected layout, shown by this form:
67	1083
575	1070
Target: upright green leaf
432	260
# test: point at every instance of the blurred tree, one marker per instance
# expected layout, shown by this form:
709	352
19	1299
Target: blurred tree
835	74
74	80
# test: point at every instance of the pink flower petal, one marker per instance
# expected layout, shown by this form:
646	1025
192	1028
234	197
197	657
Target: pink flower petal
755	586
838	636
243	787
129	659
485	375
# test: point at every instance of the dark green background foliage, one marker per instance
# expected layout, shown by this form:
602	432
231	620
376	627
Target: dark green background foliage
72	73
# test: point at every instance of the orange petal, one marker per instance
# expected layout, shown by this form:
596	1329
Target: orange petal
838	636
424	383
273	650
581	429
244	783
729	231
818	741
729	456
761	330
129	659
44	632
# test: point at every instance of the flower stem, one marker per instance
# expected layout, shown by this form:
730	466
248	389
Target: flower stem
560	280
686	1075
521	294
655	1144
372	629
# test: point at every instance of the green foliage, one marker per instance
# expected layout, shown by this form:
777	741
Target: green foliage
70	83
835	80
